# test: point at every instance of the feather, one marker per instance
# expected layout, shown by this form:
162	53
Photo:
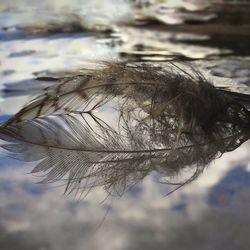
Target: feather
163	120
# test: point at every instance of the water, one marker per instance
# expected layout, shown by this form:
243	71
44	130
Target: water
210	213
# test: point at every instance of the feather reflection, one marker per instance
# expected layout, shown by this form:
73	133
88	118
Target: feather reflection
163	119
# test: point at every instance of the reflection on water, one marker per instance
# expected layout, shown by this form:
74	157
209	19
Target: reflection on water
210	213
143	217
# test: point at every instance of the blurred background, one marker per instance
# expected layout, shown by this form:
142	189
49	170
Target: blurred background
52	38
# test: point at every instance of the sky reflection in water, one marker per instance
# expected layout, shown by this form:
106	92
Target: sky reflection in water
211	211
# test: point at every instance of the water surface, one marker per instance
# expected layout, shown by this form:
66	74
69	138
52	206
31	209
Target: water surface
210	213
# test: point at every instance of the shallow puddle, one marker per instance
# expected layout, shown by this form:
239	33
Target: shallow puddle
53	40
